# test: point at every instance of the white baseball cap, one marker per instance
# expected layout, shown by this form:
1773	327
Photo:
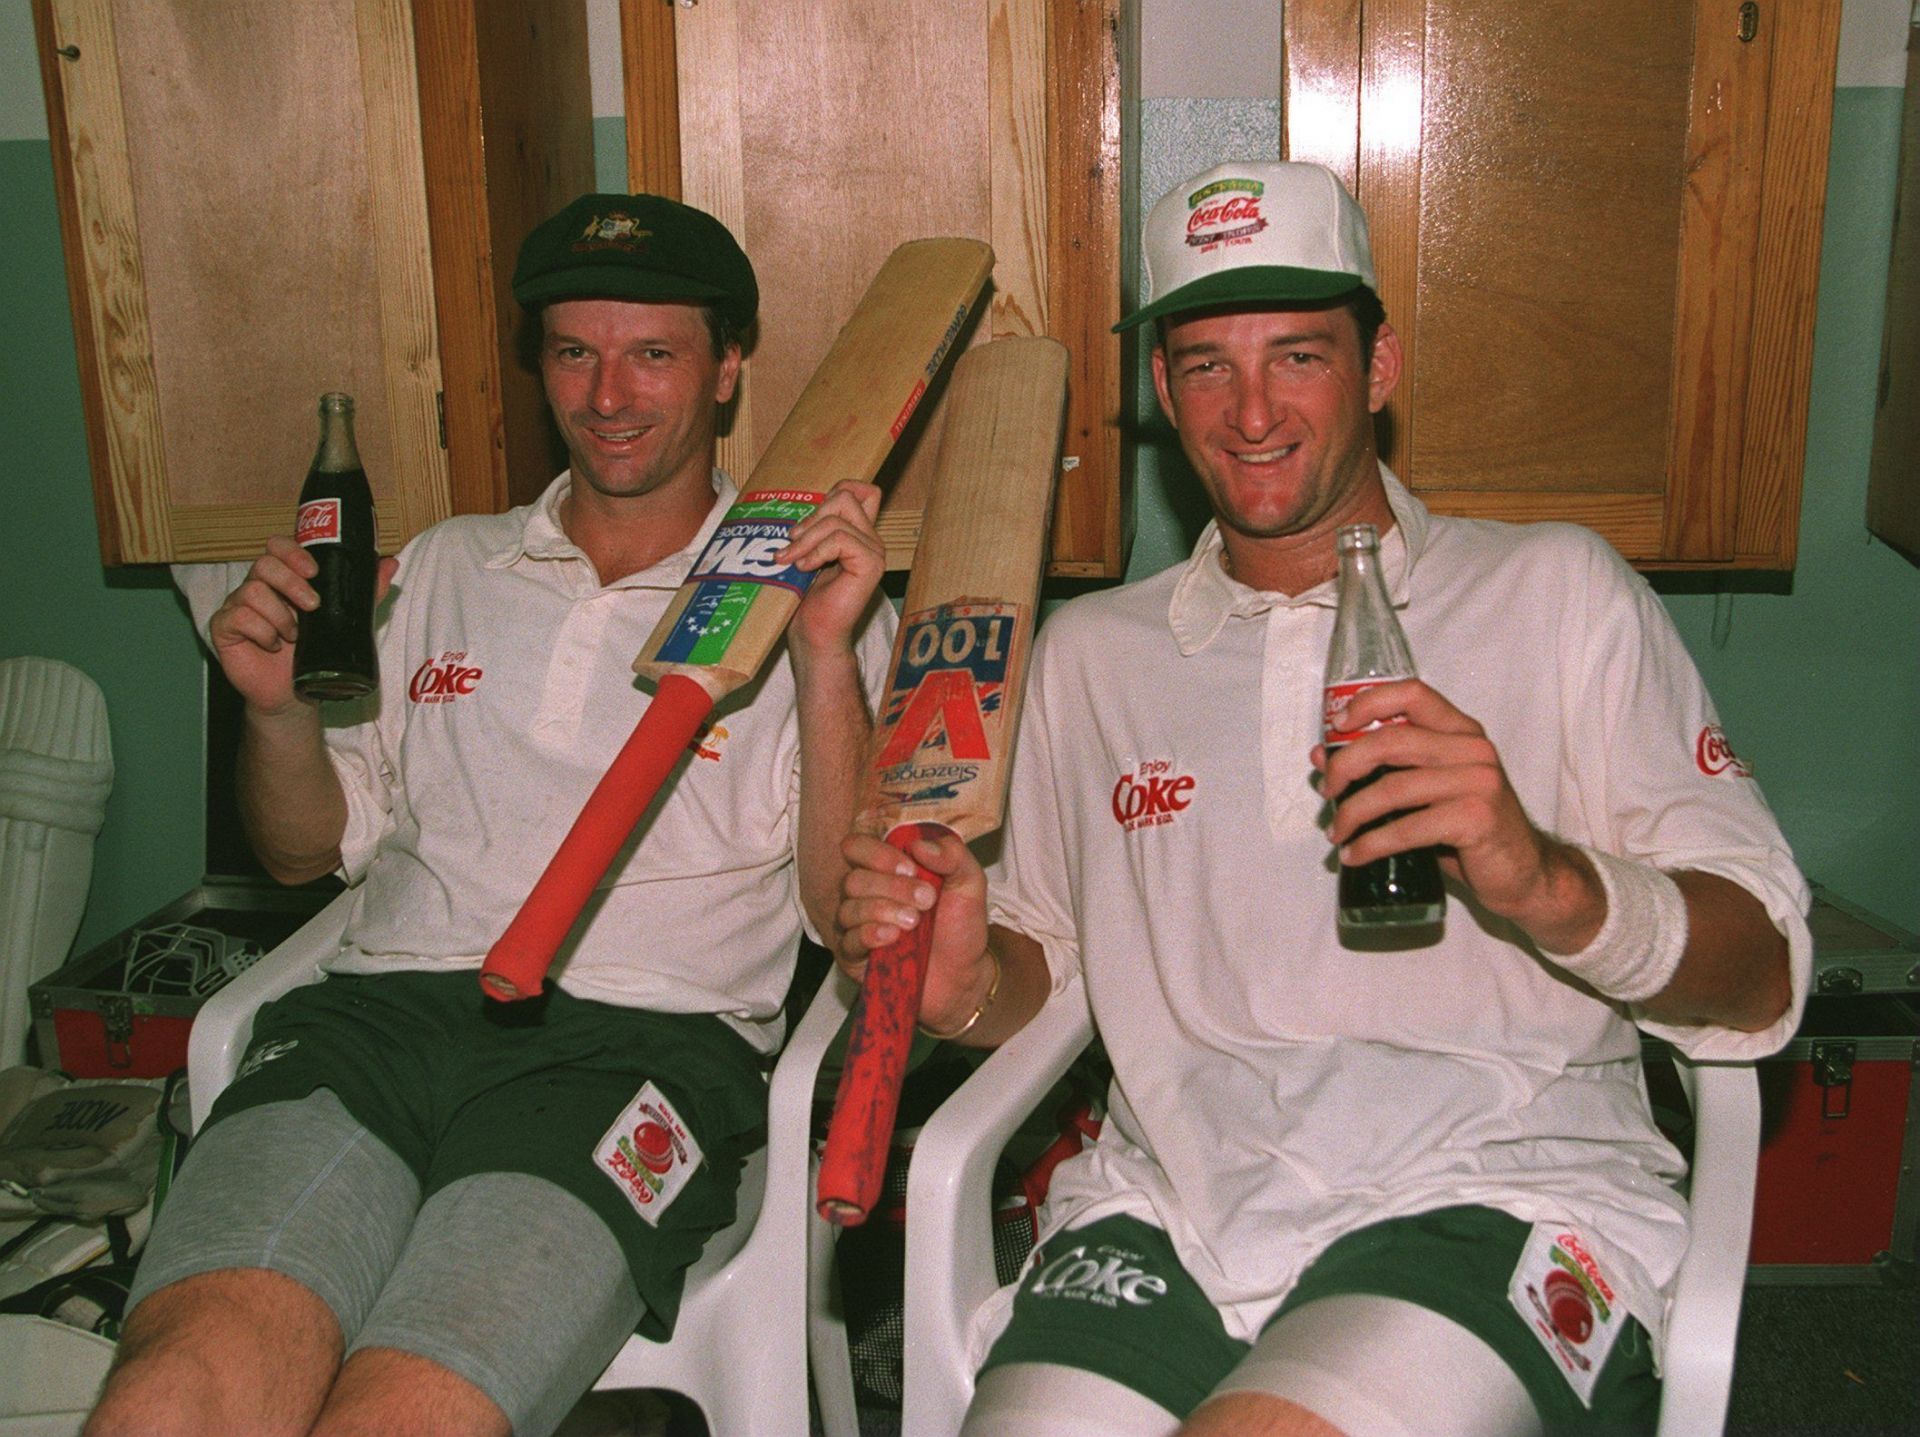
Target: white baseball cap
1253	231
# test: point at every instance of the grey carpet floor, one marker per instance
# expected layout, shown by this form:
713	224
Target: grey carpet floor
1827	1362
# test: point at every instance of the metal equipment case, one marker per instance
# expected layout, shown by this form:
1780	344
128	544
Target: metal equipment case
1837	1199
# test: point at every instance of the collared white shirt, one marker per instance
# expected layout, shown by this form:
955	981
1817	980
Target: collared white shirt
1275	1089
506	691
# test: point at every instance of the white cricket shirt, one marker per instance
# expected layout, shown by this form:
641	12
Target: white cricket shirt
506	690
1274	1089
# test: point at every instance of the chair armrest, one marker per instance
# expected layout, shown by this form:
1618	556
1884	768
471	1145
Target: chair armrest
1703	1318
789	1189
949	1260
225	1021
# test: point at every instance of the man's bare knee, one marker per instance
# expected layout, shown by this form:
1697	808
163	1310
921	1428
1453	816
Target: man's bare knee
233	1350
1255	1414
383	1390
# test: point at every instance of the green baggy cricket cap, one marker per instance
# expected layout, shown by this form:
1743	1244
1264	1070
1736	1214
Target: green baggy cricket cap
639	247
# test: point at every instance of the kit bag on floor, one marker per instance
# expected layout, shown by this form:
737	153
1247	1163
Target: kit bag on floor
83	1167
79	1149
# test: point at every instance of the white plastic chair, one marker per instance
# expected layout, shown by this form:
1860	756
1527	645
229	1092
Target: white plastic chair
949	1263
757	1302
56	770
50	1376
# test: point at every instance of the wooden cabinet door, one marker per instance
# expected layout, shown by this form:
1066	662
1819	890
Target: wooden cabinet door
1597	228
824	135
1893	479
244	200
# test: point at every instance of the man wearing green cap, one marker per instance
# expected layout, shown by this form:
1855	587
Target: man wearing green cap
413	1210
1408	1187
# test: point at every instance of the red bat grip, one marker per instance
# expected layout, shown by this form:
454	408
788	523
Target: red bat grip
517	964
861	1131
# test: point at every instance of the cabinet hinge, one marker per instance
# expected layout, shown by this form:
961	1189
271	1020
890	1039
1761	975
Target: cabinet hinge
440	403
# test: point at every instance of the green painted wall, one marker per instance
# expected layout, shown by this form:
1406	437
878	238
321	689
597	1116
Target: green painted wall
125	628
1820	688
610	154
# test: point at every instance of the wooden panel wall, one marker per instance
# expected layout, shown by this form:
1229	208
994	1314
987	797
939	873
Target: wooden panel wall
825	135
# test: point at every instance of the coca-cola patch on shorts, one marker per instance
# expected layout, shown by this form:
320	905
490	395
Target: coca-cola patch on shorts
1566	1301
648	1153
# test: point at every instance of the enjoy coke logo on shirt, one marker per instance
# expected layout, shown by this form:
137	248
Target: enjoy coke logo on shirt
442	680
1151	795
1715	755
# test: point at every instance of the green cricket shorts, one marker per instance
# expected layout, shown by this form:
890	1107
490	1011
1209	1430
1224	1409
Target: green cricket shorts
1113	1298
645	1117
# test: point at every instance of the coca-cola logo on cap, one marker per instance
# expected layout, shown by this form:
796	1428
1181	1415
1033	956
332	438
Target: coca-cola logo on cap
1715	755
1225	210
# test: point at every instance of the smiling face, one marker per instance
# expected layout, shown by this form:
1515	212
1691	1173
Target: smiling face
635	389
1275	408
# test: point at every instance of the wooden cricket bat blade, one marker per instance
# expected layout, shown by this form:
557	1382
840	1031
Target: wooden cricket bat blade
733	609
944	739
735	605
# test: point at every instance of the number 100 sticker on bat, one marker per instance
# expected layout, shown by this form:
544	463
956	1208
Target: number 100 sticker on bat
731	612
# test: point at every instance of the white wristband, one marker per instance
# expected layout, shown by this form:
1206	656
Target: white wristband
1637	949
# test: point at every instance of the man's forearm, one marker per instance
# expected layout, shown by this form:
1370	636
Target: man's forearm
1732	967
290	798
835	730
1733	971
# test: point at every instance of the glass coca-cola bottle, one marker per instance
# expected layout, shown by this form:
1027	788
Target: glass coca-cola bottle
1368	647
333	653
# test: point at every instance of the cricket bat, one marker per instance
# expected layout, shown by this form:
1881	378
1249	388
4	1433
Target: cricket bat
944	738
734	607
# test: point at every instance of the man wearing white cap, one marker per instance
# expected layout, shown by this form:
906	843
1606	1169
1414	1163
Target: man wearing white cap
1415	1190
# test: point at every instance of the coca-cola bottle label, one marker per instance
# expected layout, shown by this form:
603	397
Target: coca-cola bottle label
318	522
1333	710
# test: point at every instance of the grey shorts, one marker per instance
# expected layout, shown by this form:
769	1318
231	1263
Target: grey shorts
503	1278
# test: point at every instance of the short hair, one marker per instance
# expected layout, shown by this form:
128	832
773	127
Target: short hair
1368	315
722	330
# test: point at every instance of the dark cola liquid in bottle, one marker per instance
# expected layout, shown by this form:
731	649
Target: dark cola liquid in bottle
1368	647
333	653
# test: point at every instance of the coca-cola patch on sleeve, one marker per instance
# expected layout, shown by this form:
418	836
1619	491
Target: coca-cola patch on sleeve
1715	755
